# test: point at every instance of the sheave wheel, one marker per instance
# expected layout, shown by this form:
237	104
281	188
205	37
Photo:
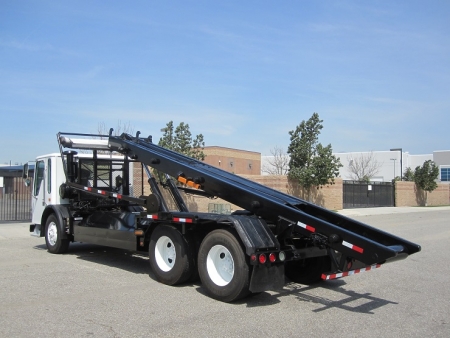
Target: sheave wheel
55	244
170	255
307	271
222	267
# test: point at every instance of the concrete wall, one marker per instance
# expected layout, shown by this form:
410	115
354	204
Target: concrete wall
407	195
329	197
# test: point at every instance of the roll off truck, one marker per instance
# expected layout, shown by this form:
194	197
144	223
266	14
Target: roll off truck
85	193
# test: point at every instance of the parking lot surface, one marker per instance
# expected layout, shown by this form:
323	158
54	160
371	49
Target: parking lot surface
95	291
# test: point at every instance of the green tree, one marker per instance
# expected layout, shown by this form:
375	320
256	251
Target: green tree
425	177
311	164
179	139
408	175
396	179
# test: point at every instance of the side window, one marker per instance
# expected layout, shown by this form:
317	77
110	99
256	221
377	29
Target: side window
38	176
49	175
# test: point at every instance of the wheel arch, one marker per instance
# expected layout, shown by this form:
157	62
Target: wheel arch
62	213
253	233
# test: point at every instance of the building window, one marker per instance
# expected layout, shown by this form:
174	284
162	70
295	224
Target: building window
445	174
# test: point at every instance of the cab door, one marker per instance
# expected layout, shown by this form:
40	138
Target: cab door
39	191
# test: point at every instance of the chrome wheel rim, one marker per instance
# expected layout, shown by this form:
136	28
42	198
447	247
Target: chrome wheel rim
52	233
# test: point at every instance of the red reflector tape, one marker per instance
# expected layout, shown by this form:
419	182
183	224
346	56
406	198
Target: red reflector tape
152	216
307	227
119	196
182	220
349	273
353	247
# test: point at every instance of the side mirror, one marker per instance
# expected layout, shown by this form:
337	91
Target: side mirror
25	172
26	175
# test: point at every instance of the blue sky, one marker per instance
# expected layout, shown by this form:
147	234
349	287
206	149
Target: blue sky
242	73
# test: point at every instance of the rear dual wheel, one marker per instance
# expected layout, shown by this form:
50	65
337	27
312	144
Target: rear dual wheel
171	256
222	267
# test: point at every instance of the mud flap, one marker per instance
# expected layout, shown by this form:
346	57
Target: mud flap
266	278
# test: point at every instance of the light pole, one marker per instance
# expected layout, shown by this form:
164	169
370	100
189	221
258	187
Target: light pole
394	159
401	161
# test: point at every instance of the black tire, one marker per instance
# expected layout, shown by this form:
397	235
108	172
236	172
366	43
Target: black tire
55	243
307	271
222	267
170	255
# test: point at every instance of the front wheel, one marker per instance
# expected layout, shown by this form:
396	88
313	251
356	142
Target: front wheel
55	243
222	267
170	255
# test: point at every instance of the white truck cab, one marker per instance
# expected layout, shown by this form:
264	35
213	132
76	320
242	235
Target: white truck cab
48	176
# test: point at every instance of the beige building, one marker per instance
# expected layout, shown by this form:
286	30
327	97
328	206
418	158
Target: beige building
239	162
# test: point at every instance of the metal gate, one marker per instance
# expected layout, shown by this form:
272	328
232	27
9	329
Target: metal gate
366	195
15	200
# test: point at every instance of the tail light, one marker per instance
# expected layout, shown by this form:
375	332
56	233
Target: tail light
272	257
262	258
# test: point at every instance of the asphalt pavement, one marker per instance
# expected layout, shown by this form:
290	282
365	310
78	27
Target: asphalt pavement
95	291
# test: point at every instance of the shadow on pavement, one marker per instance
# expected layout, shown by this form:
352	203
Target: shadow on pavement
342	298
118	258
137	263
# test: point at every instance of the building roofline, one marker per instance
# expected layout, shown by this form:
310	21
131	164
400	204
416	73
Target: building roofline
234	149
